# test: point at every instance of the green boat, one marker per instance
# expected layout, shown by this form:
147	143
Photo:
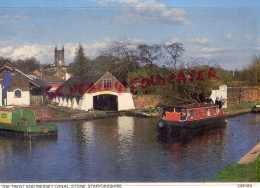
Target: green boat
22	122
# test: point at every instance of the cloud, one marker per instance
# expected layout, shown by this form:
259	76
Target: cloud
5	50
27	29
256	48
45	53
31	50
94	48
147	11
4	19
171	41
23	18
105	2
228	37
252	38
217	50
217	54
206	56
154	15
6	43
27	50
91	49
203	41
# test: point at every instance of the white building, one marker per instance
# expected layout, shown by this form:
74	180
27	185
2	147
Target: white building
94	92
19	88
221	93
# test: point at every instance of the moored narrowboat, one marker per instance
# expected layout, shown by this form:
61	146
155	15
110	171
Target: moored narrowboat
22	122
183	122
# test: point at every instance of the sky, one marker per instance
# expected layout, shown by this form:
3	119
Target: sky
225	32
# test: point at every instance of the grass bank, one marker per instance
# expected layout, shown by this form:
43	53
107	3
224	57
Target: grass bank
240	173
240	106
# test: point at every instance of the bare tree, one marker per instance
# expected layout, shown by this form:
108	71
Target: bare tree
175	51
121	57
28	64
149	54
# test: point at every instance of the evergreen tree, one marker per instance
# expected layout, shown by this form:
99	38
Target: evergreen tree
81	64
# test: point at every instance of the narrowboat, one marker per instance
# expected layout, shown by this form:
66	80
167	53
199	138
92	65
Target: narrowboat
183	122
23	123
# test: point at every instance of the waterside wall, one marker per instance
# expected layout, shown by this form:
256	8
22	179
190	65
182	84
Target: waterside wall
236	95
145	101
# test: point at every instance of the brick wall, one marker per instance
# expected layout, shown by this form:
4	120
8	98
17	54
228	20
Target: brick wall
241	94
17	81
258	98
36	100
235	95
144	101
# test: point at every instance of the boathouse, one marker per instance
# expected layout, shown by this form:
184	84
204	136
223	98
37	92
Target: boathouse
94	92
19	88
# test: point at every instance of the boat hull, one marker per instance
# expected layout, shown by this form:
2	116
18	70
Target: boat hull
188	129
29	131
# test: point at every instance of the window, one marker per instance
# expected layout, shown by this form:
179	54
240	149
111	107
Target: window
200	113
208	112
107	83
215	111
192	114
17	93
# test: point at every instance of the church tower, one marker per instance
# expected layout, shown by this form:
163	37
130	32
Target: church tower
59	57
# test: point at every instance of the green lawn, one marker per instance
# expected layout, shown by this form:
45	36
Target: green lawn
240	106
239	173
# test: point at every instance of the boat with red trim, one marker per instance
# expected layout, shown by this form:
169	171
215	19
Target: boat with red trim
186	121
22	122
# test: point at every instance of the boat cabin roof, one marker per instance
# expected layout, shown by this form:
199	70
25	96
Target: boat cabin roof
193	106
14	108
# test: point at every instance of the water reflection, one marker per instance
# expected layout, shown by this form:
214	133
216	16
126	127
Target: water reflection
125	128
125	149
17	155
16	144
199	148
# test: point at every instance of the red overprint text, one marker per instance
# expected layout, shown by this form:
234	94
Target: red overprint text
134	83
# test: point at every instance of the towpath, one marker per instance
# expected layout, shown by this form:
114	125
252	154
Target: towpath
251	156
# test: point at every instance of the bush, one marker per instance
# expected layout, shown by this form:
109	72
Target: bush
154	109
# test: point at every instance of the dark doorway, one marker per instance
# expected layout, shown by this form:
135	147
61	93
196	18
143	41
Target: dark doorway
105	102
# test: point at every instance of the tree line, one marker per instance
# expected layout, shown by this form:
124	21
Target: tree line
144	65
28	64
154	69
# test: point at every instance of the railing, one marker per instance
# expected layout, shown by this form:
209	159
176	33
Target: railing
38	119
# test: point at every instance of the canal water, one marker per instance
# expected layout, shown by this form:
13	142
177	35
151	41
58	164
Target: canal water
125	149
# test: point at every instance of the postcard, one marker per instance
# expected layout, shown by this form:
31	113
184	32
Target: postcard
118	93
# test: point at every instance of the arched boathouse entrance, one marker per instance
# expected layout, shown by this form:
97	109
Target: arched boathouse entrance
105	102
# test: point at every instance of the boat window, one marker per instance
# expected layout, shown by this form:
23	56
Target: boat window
200	113
192	114
17	93
208	112
215	111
